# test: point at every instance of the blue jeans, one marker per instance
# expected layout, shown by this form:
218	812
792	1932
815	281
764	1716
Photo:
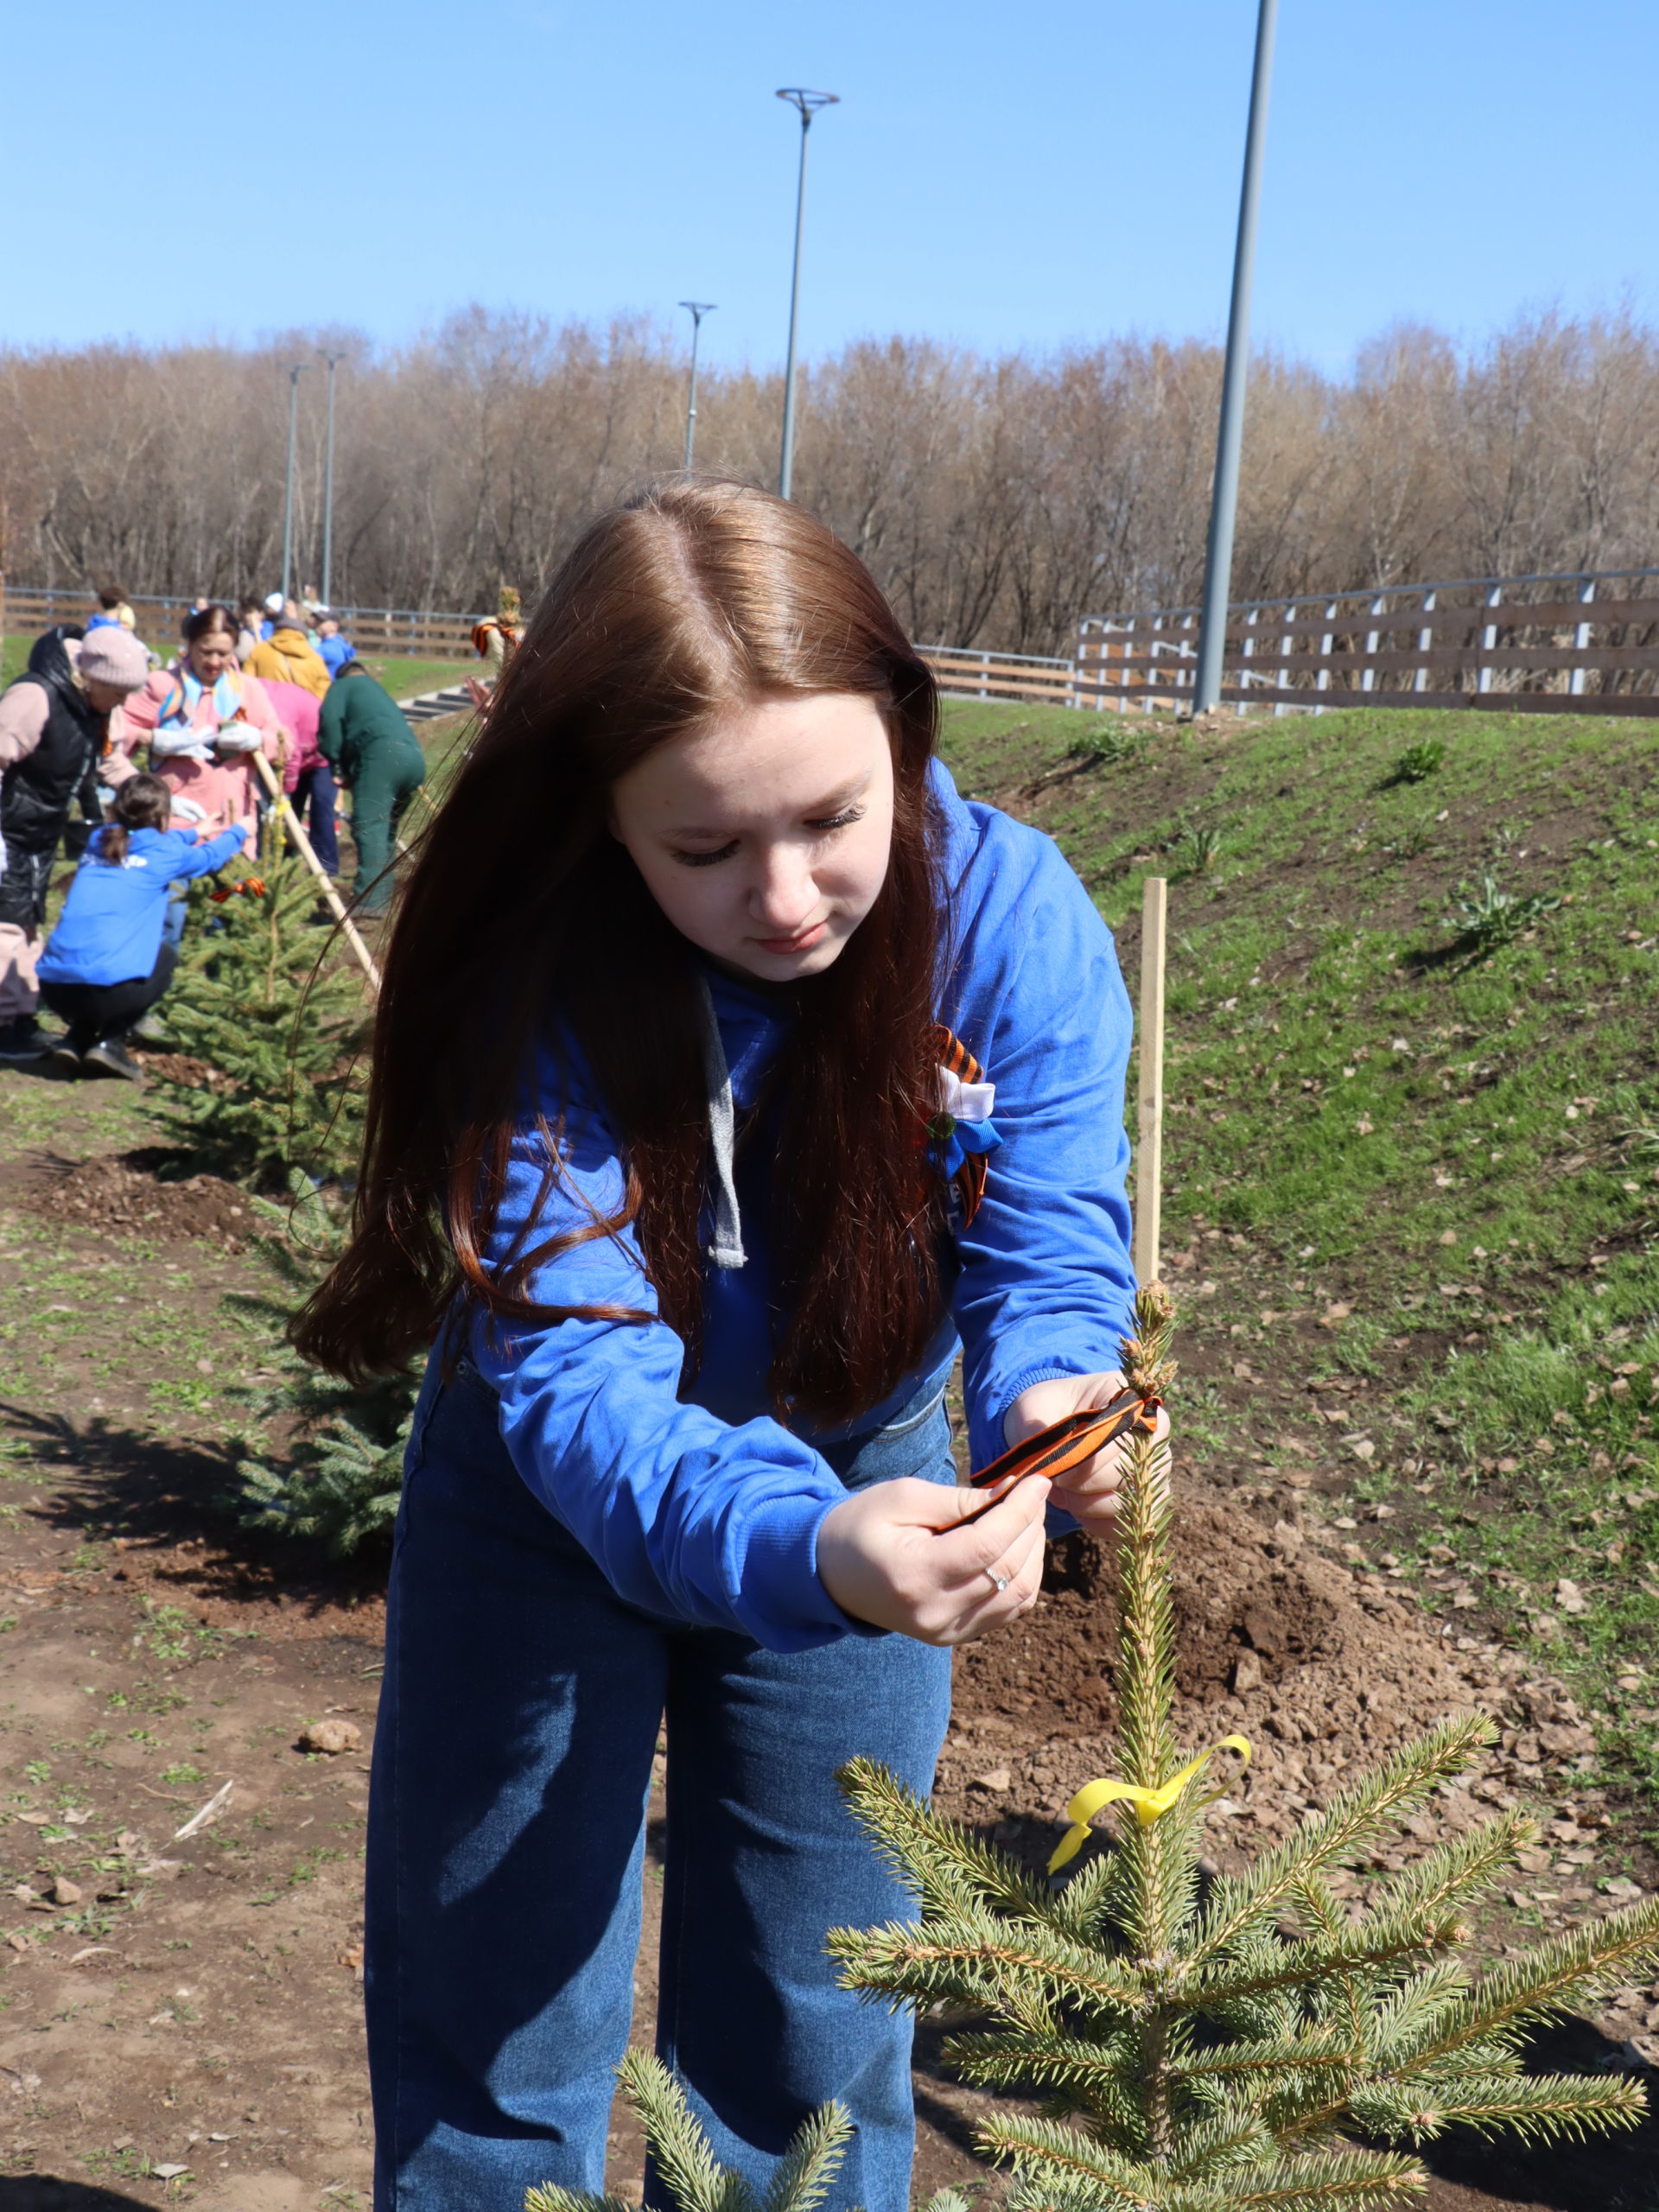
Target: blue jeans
316	788
512	1757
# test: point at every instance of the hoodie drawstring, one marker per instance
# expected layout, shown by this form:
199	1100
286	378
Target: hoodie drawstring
727	1249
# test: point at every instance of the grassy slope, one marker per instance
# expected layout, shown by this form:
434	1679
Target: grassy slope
1463	1151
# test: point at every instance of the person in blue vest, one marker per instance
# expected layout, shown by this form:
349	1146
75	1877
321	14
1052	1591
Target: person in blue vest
731	1072
106	963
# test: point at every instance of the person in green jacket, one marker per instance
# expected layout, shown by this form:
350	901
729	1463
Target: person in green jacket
371	749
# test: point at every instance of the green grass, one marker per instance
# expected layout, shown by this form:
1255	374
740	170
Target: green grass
404	679
1456	1135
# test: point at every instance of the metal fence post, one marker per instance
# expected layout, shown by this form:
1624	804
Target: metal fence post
1425	645
1489	641
1184	671
1581	636
1373	639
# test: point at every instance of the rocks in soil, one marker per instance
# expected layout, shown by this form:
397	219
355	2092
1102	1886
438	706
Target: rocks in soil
64	1891
331	1735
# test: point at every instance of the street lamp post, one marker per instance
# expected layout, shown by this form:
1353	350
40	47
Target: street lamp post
1223	504
808	104
329	493
697	309
295	371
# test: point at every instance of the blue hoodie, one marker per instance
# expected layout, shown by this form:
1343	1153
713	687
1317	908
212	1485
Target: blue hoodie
708	1509
109	930
336	651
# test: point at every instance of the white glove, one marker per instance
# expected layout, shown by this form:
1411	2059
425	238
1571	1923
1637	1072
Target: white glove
238	737
176	743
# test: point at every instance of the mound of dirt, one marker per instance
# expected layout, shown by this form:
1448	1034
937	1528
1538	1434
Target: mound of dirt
1324	1670
122	1194
1238	1591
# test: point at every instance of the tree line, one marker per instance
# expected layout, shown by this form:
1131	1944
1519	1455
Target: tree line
998	499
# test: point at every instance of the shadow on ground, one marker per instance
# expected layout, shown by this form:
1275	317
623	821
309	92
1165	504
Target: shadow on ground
1611	2173
158	1493
43	2193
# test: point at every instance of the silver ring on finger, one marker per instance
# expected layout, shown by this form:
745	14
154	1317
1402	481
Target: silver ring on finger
1000	1580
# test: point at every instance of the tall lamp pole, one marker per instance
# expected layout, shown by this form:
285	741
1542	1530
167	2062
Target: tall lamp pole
697	309
1223	504
295	371
808	104
329	493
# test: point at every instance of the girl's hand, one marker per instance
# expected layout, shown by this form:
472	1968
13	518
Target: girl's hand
920	1558
1088	1492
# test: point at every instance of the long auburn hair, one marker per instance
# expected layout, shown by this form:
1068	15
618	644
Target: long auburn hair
524	921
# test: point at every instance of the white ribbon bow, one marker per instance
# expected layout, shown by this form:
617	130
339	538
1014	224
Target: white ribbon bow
965	1102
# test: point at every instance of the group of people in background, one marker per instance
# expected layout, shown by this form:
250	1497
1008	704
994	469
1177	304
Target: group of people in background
160	762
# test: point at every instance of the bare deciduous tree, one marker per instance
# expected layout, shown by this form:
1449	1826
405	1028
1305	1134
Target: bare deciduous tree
998	500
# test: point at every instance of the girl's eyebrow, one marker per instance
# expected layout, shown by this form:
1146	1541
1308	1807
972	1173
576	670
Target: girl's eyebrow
842	796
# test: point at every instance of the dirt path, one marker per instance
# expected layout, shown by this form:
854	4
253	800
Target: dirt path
180	2020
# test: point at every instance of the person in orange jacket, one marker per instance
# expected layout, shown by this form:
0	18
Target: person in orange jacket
288	657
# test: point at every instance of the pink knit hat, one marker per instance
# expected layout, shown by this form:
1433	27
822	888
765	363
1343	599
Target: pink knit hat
112	655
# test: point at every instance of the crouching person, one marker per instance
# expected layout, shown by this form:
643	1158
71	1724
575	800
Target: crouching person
106	964
363	736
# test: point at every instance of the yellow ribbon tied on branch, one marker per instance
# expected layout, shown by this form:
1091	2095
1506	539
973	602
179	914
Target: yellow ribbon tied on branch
1149	1804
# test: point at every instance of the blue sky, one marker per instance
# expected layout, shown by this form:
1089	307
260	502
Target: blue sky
1001	175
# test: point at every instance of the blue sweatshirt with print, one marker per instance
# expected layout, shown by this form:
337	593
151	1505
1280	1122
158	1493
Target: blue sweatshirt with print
109	930
707	1508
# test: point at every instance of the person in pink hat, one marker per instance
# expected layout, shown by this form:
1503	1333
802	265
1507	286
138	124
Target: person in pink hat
201	719
53	731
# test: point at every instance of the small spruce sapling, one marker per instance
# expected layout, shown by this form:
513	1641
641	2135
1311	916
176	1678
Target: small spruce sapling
1249	2043
258	999
339	1478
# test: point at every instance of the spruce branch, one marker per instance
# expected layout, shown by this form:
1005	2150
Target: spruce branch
1454	1874
1331	2181
809	2167
971	1955
1582	1962
1241	1903
1378	1940
1538	2108
676	2141
932	1854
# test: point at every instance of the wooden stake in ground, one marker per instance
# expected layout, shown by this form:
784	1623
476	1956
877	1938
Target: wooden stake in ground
1149	1148
302	846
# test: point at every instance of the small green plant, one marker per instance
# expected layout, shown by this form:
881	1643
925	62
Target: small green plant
1197	849
1490	918
340	1475
260	998
1246	2041
1103	742
1418	762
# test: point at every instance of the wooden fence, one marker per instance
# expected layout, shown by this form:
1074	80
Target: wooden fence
1556	645
1551	645
965	673
405	632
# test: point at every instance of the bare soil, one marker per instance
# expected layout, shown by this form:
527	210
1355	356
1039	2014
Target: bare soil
193	2004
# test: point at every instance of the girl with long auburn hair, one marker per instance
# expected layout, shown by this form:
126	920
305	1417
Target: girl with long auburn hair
729	1070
